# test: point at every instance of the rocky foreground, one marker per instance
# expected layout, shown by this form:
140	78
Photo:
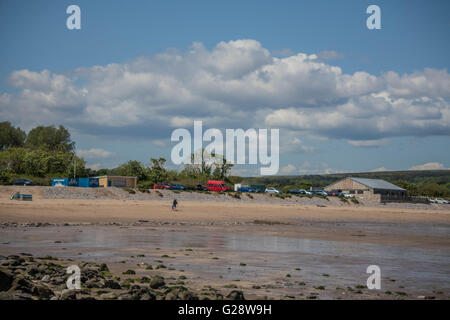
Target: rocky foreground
24	277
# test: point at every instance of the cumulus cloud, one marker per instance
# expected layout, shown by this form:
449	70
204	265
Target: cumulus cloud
315	168
290	168
330	55
236	84
429	166
94	153
94	166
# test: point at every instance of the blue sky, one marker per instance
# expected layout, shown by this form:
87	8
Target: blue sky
52	75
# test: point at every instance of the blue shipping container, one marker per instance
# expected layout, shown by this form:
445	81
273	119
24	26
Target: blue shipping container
93	182
83	182
73	182
59	182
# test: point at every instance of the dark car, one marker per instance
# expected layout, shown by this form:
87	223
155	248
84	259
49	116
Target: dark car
246	189
23	182
297	191
201	188
177	187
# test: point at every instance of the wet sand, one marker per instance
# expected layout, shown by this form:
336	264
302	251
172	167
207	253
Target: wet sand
267	250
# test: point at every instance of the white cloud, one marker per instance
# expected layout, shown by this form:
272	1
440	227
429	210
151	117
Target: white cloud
368	143
94	153
381	169
315	168
94	166
330	55
429	166
283	52
236	84
290	168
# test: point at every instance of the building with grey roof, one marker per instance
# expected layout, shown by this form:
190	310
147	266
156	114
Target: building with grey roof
369	189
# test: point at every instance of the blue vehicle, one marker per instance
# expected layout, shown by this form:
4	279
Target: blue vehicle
177	187
246	189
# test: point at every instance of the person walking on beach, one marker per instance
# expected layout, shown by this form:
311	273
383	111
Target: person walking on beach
174	204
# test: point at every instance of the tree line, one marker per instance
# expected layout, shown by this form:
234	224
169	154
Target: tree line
44	151
48	151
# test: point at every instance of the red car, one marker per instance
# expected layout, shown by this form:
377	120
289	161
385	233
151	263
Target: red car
162	186
216	185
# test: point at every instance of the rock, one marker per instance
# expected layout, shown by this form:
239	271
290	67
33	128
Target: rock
236	295
94	283
6	296
68	294
171	296
21	284
148	296
140	293
179	293
6	280
187	295
22	296
42	292
58	280
46	278
108	296
103	267
33	271
157	282
112	284
85	297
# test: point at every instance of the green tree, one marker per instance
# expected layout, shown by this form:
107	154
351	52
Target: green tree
158	172
50	138
222	168
11	136
132	168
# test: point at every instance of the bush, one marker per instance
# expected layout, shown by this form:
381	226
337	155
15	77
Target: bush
144	186
235	195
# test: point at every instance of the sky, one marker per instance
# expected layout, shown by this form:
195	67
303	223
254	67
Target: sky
345	98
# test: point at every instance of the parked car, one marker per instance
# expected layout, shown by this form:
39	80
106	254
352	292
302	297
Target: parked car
246	189
23	182
319	192
297	191
272	190
201	188
162	186
216	185
432	200
442	201
333	194
348	195
177	187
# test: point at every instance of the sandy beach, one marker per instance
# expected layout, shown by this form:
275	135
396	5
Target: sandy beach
287	249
